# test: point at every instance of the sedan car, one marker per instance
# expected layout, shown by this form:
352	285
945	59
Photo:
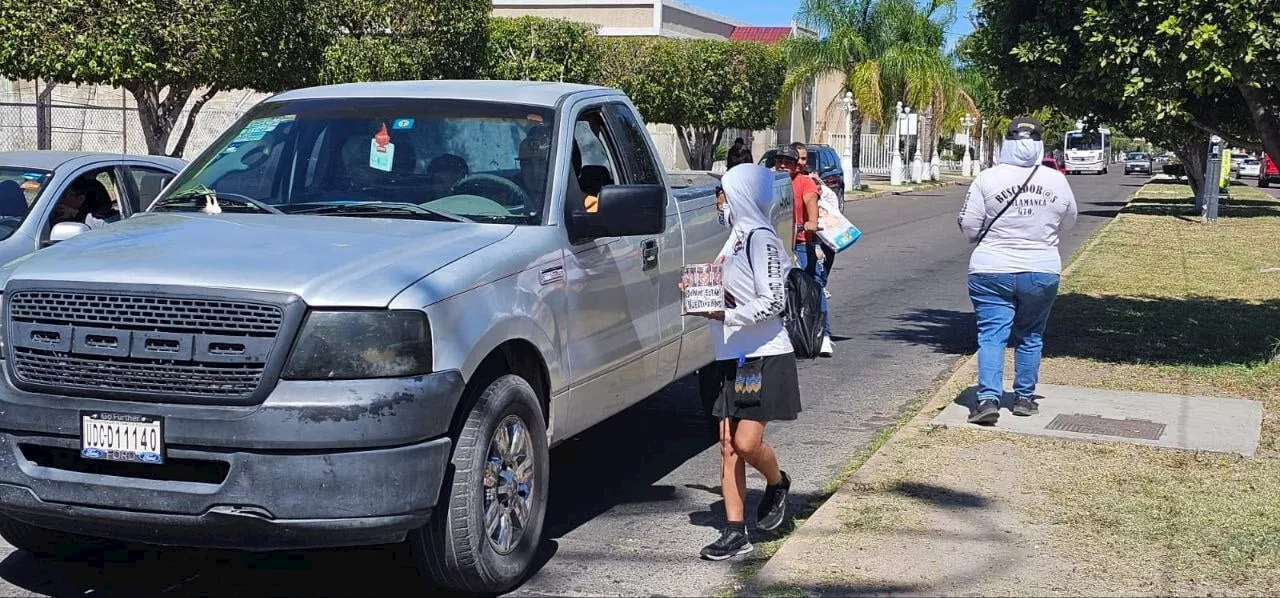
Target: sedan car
40	189
1138	162
1250	167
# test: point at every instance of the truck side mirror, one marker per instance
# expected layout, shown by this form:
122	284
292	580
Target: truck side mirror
621	211
65	230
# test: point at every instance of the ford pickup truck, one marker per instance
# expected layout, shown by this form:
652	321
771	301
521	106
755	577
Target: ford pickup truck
362	316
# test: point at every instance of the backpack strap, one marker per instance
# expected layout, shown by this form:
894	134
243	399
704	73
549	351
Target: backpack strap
747	248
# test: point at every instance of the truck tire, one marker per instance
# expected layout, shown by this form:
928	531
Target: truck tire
46	542
1264	182
497	481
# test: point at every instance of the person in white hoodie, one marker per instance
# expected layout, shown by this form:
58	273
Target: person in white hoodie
755	362
1015	212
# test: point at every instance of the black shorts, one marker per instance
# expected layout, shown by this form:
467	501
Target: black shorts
779	390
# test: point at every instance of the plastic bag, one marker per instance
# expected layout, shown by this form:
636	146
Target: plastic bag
803	315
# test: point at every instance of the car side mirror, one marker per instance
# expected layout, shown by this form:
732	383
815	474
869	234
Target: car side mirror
621	211
65	230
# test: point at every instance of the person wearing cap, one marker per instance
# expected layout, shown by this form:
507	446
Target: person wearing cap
1015	212
806	221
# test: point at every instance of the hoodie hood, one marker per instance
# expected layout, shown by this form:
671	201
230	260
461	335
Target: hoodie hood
748	189
1021	152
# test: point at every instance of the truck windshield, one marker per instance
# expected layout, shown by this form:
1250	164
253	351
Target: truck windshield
19	188
1084	141
361	157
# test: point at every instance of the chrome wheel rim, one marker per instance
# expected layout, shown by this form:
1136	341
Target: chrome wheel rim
508	484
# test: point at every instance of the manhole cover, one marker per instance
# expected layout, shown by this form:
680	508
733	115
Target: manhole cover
1105	426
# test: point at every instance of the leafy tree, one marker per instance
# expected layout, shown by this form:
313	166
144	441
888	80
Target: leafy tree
383	40
701	87
888	51
1172	72
538	49
162	51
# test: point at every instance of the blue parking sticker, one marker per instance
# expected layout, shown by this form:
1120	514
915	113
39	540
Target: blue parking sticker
402	123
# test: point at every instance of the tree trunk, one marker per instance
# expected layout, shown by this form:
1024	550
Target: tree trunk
181	145
1265	119
158	115
1193	155
699	143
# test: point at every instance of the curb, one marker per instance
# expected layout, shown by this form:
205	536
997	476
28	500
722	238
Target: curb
825	520
903	191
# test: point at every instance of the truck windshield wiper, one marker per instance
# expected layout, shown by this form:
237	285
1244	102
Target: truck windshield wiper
376	207
201	192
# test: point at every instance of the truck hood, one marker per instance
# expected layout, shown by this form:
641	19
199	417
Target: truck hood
326	260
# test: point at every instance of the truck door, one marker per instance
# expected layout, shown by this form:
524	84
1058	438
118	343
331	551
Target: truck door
613	319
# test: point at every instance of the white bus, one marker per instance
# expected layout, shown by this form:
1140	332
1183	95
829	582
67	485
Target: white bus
1087	151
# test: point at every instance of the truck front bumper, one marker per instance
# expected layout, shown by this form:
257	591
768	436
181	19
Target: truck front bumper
334	467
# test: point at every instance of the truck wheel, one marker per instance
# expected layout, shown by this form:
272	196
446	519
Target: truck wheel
488	522
1264	183
46	542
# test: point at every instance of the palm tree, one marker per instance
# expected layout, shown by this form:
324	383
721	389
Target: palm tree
887	51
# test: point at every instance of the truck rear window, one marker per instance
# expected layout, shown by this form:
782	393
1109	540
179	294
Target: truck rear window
478	160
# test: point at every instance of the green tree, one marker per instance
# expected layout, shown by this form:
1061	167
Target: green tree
538	49
701	87
887	51
1172	72
162	51
385	40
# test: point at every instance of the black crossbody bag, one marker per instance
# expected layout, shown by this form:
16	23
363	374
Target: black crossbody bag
986	229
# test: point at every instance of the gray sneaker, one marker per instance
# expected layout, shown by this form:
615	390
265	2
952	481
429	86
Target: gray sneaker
1024	406
986	412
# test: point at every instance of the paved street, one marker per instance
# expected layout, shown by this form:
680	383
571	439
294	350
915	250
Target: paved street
636	497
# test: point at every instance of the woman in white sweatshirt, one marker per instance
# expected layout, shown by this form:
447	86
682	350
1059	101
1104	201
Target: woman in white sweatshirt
755	362
1014	212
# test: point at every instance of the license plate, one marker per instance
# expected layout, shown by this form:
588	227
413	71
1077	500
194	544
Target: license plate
122	437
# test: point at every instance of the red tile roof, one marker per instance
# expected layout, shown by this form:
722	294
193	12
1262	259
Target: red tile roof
764	35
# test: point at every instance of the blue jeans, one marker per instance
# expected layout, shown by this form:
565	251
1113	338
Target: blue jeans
807	260
1017	304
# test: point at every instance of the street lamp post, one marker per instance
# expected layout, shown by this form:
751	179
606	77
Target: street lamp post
846	157
895	163
966	164
917	164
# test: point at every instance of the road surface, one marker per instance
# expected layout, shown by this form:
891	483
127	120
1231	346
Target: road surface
636	497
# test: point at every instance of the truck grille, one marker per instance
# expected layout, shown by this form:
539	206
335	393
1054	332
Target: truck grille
139	346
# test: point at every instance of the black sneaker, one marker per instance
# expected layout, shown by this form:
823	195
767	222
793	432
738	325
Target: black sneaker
986	412
1025	406
773	507
732	542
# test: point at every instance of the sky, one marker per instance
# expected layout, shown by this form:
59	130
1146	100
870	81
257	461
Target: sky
766	13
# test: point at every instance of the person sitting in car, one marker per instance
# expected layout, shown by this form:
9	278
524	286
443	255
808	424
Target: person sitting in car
86	201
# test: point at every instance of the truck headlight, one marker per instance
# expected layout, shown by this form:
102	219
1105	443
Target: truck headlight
335	345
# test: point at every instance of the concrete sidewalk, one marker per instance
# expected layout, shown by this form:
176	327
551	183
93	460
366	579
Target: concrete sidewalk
951	508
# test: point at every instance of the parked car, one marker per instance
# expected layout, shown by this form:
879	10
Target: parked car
1052	163
1138	162
1267	171
824	160
1250	167
362	316
34	184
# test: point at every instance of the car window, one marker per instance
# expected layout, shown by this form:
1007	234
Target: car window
19	188
634	148
92	199
596	165
411	158
148	182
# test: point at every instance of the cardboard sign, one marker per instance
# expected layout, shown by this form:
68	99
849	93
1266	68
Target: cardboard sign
703	288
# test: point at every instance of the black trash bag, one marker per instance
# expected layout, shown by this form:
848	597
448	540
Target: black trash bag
803	315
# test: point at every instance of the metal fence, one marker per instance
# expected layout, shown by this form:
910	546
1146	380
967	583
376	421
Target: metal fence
876	154
101	128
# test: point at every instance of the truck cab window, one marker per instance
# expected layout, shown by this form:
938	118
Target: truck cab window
634	146
594	163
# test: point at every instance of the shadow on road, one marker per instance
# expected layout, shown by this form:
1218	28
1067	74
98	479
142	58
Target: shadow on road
588	478
948	331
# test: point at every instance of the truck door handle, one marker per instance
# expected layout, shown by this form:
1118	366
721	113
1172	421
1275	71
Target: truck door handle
649	253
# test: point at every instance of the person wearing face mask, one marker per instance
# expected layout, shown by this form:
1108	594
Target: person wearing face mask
755	363
1014	212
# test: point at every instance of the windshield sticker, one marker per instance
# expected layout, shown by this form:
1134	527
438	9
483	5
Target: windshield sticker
259	127
381	151
402	123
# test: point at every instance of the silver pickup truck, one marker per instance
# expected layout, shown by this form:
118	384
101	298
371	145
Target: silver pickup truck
362	316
